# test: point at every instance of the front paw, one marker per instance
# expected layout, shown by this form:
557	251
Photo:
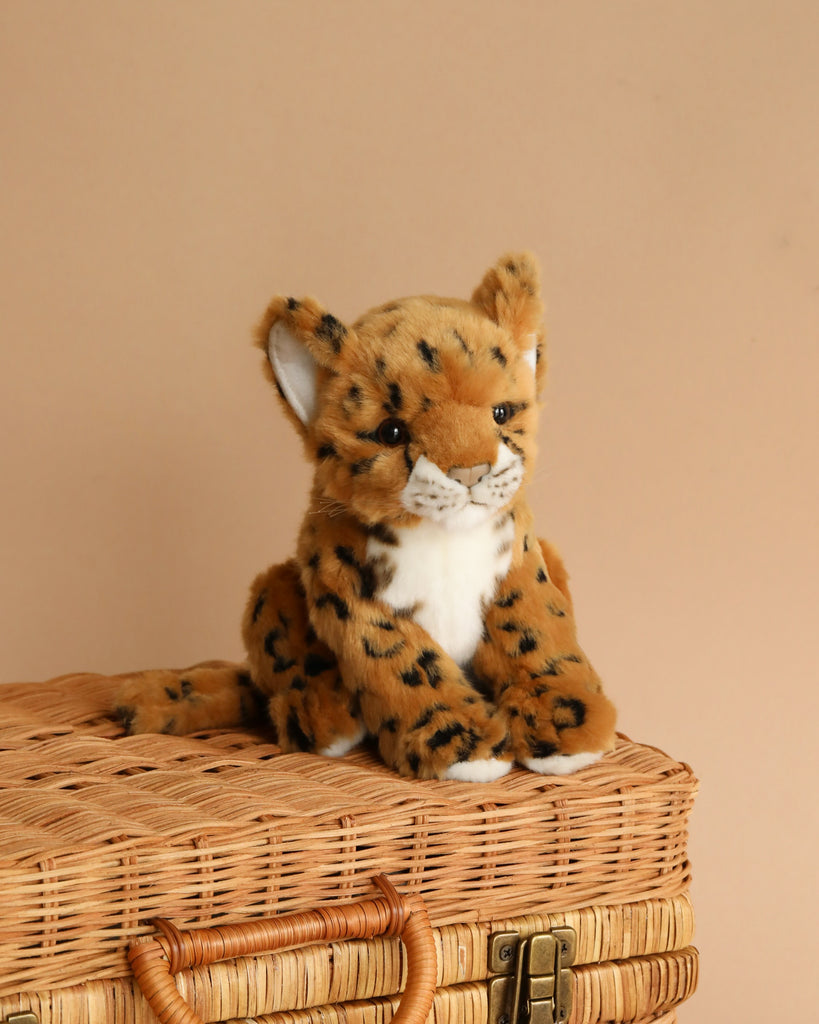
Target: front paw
468	743
558	730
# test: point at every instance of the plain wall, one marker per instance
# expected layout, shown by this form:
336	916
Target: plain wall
168	166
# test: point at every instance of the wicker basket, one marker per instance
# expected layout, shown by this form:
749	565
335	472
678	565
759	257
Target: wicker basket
101	833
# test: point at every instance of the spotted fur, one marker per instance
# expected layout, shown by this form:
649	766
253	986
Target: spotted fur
418	609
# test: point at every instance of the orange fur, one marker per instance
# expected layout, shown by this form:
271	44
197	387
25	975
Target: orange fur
417	393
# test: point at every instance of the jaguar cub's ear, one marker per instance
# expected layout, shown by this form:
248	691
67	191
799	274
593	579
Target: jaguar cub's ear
510	296
301	342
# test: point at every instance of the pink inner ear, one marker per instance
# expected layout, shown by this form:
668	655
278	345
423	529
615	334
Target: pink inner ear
295	370
530	354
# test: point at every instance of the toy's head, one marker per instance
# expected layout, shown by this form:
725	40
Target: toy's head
424	408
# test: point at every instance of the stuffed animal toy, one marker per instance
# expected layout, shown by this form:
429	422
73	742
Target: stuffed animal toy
420	608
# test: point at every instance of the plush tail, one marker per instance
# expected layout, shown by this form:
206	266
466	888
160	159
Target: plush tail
209	695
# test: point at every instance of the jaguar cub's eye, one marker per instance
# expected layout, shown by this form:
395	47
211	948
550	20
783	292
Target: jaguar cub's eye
392	432
502	412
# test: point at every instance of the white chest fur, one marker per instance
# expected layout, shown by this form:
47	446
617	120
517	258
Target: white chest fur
447	576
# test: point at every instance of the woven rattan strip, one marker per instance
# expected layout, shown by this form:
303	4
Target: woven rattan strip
641	990
644	990
100	832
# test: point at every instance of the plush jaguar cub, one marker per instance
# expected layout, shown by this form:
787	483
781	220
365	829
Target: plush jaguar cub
420	608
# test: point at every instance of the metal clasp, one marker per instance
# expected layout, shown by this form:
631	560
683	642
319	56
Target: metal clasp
533	983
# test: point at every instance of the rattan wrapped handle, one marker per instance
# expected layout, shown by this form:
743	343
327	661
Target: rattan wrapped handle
156	962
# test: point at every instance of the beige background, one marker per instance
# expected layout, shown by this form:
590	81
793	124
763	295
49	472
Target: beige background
168	166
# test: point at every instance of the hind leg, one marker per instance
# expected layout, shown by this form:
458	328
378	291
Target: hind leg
309	707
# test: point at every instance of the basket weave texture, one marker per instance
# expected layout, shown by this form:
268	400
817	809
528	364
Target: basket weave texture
101	832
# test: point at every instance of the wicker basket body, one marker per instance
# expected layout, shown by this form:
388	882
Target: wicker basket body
100	833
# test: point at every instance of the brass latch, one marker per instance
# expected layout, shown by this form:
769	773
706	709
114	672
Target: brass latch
24	1017
533	983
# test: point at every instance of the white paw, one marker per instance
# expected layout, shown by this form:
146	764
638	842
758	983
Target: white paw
482	770
344	744
560	764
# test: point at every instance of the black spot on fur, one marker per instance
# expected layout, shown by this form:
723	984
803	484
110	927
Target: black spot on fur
332	331
430	355
460	339
285	622
366	572
386	652
498	355
125	716
297	736
340	607
510	627
252	703
550	668
569	713
270	642
542	748
540	690
468	745
298	683
346	555
380	367
281	665
257	607
384	624
168	728
313	560
441	737
513	446
382	532
315	664
293	304
327	451
414	761
554	610
541	575
428	661
500	747
528	643
172	694
509	600
526	542
310	635
396	400
362	465
412	677
424	718
389	725
186	688
426	403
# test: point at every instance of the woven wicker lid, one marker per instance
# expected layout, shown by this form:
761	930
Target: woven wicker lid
100	832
